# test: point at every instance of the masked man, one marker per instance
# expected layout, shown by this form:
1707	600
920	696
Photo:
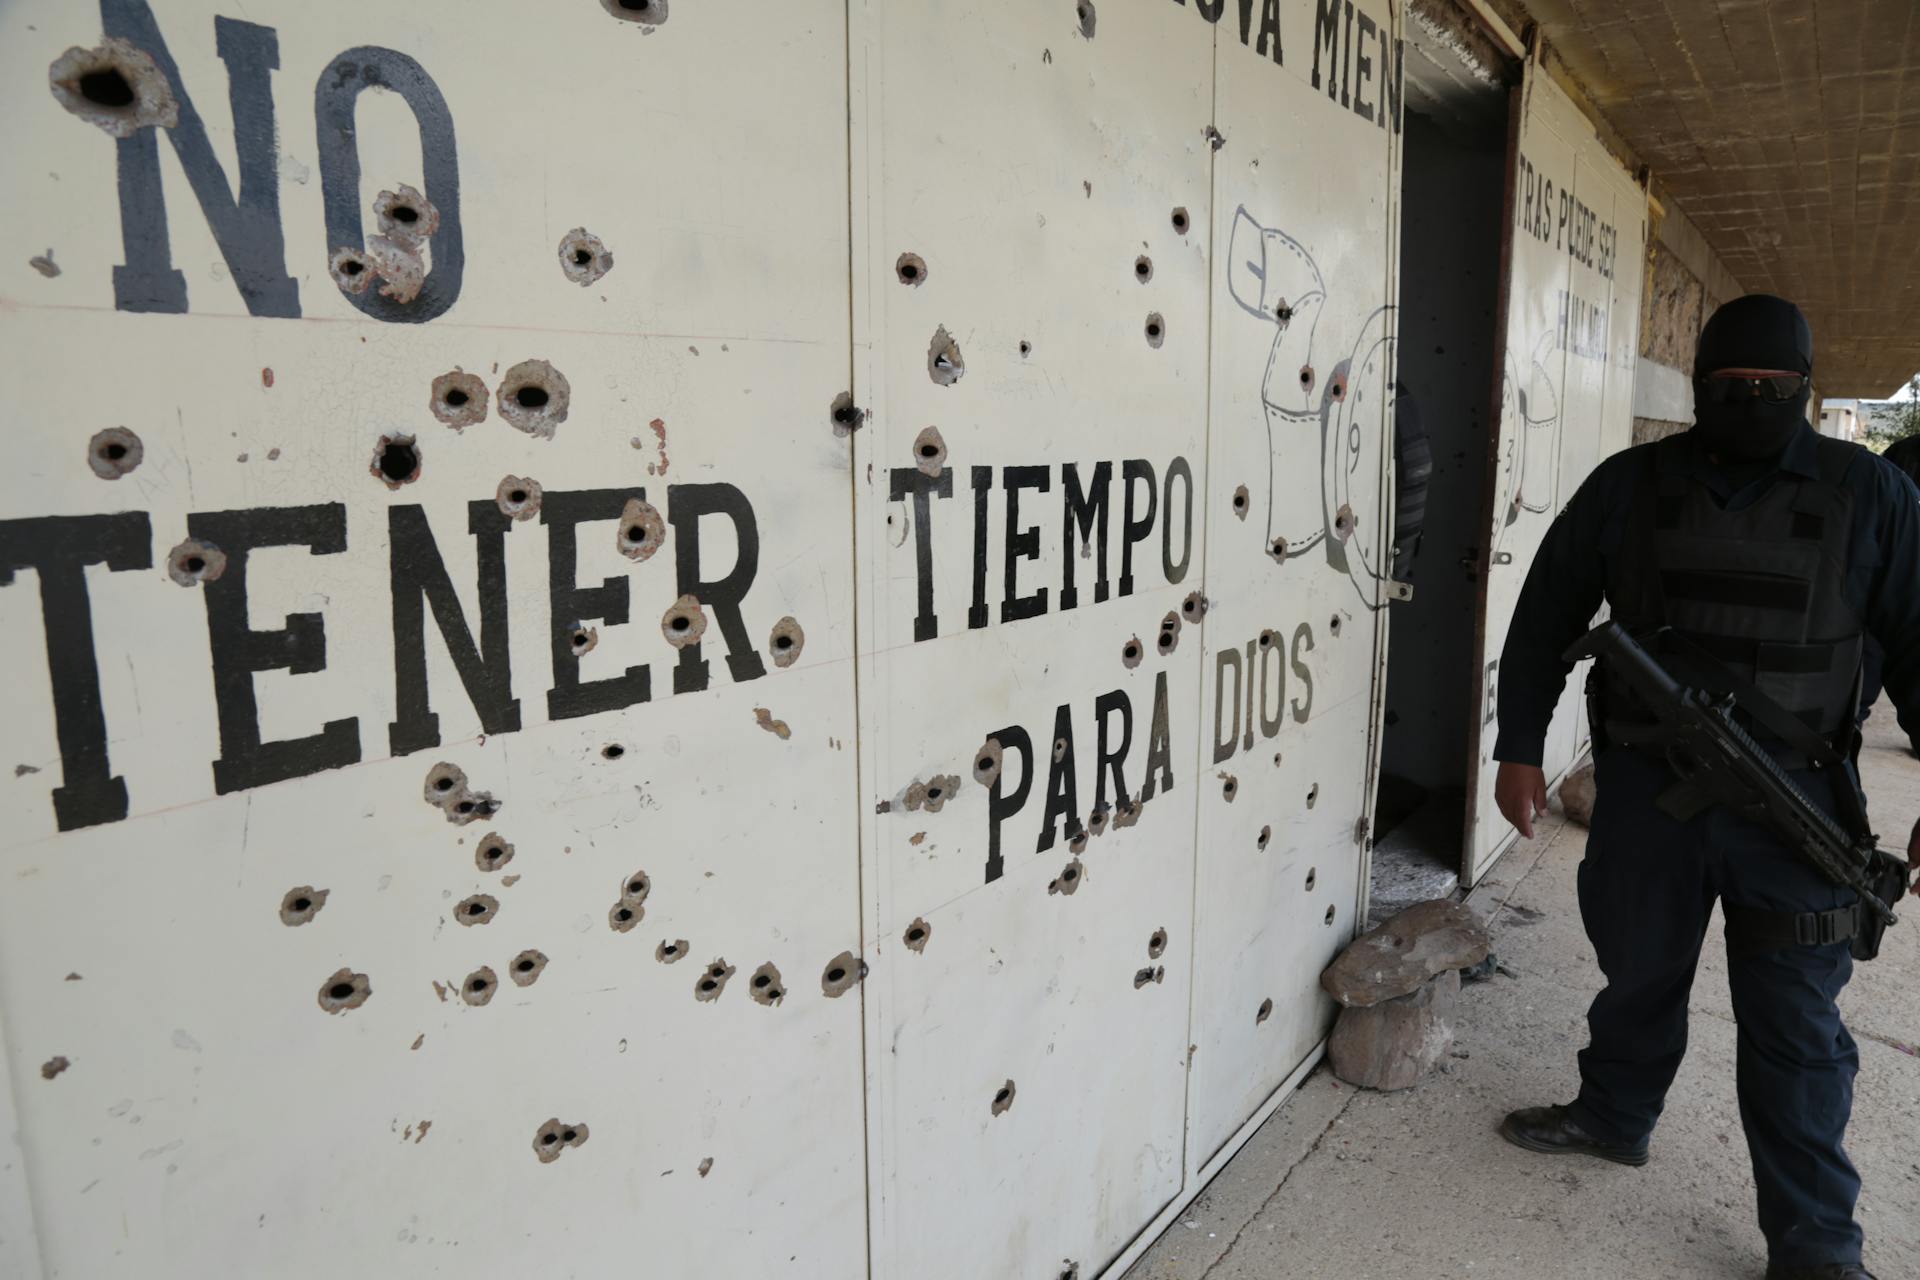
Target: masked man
1772	553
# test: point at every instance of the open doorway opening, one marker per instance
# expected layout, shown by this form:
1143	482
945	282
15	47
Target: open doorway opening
1453	179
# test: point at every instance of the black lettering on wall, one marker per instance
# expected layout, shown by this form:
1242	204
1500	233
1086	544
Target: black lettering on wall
1302	635
922	488
247	228
1109	761
1270	659
1252	675
1000	805
1326	39
58	549
1391	81
982	486
569	603
1063	793
1268	43
1176	571
340	86
1159	743
686	504
1022	544
239	651
1224	743
1361	106
1083	510
1210	9
1134	531
1346	62
418	580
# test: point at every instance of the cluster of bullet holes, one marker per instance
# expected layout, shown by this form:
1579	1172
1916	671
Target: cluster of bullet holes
1156	329
458	399
534	397
478	908
1068	881
345	990
1229	786
477	988
987	762
1003	1098
671	952
911	268
649	13
929	451
712	981
194	562
396	461
765	986
584	257
1264	1012
493	853
527	967
631	906
846	416
1261	841
945	365
583	639
642	530
114	452
407	220
551	1138
1169	634
1313	878
786	642
612	751
446	789
841	973
933	794
683	623
1088	18
1241	502
302	904
518	497
115	86
917	935
1131	652
398	264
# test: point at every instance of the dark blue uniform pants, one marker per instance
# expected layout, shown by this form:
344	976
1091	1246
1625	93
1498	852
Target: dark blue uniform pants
1647	889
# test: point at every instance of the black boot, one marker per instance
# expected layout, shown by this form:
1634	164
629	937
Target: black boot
1553	1131
1822	1271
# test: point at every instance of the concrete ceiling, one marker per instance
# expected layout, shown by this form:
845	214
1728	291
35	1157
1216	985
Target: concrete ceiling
1789	132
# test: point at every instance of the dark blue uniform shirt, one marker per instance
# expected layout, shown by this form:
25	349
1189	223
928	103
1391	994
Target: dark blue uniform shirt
1568	578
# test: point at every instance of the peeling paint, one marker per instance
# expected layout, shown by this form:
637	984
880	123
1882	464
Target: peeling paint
778	728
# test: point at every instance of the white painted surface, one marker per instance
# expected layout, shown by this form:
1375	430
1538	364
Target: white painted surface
1661	392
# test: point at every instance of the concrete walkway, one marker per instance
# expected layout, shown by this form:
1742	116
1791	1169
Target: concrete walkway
1417	1184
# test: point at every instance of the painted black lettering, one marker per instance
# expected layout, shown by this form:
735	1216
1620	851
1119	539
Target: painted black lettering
1224	742
418	580
1210	9
1361	106
1271	660
1302	636
1247	742
1326	38
1390	82
982	486
569	604
1346	62
1083	510
686	504
1269	40
1000	805
1022	544
1159	743
1176	570
1063	792
1246	21
923	488
1110	761
1133	531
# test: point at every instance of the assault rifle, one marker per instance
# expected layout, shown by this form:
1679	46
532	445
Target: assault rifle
1718	761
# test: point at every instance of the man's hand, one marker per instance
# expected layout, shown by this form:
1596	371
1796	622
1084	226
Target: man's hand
1521	792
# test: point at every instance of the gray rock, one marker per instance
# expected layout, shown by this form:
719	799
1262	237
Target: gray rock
1392	1044
1576	796
1396	958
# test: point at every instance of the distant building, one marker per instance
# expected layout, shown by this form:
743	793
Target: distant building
1841	419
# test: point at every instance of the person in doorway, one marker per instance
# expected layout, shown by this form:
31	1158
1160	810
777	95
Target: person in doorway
1773	552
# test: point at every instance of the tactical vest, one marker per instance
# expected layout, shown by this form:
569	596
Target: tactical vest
1758	594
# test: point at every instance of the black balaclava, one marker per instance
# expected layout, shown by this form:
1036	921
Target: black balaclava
1758	331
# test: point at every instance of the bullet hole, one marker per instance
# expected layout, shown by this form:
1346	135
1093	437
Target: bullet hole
1214	137
114	452
551	1138
1141	977
623	917
683	623
1156	330
612	751
945	365
642	531
1276	759
1068	881
1069	1269
396	461
1306	377
841	973
406	216
1313	795
636	888
1229	787
1265	1011
534	397
1283	312
1268	639
1333	624
1194	607
350	270
518	497
1260	841
115	86
765	986
987	761
846	416
706	1166
1088	18
929	451
458	399
301	905
1026	348
584	257
1059	750
398	263
1126	813
478	987
1328	918
1241	502
1097	821
1278	550
933	794
1077	845
194	562
1131	653
527	967
471	806
1313	876
479	908
912	269
671	952
649	13
917	935
712	981
1180	220
493	853
1338	387
1143	268
344	990
53	1066
1169	634
786	642
445	783
583	639
1003	1098
46	266
1157	944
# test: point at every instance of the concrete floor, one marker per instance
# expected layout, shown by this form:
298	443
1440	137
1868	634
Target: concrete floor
1347	1183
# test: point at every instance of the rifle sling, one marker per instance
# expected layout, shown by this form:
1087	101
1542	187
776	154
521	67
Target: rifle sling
1751	929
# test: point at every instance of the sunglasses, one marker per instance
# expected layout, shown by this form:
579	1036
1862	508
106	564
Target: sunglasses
1777	389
